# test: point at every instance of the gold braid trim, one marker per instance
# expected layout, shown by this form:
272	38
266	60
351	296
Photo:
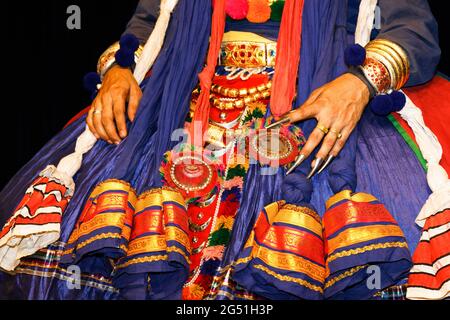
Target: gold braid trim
162	257
303	210
344	275
377	246
101	236
179	251
243	260
290	279
143	260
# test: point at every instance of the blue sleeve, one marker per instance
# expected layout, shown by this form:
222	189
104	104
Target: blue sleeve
411	24
144	19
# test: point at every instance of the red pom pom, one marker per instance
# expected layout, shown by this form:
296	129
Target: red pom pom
237	9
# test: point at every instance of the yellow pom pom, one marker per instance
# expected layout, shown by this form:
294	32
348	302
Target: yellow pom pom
193	292
259	11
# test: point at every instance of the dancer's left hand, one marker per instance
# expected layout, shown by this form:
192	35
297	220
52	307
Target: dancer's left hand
337	106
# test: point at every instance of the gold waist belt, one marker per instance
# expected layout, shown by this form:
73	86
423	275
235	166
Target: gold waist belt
248	54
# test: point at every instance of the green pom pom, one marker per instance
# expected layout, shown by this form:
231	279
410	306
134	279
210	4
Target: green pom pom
220	237
238	171
277	10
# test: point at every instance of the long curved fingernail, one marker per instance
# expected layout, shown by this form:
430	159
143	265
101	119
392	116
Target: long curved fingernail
298	162
317	164
329	160
278	123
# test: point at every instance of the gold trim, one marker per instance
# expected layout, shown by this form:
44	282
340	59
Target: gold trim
99	221
348	195
163	257
113	185
364	249
344	275
288	262
361	234
280	277
101	236
299	219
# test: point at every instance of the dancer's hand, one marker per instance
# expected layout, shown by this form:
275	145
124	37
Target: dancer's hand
107	119
337	106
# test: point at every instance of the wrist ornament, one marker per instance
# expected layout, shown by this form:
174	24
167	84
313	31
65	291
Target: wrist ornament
385	67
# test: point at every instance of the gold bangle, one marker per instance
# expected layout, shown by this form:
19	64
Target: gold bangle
389	63
108	58
395	60
377	74
391	74
400	51
399	61
395	50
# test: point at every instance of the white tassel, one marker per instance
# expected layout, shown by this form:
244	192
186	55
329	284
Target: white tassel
155	42
431	150
69	165
366	20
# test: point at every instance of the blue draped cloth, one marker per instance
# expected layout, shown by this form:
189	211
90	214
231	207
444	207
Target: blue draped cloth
384	164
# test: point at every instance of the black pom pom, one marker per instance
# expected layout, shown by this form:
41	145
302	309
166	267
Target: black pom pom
382	105
125	58
130	42
355	55
90	81
398	100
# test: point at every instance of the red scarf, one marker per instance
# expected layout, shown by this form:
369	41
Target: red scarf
286	66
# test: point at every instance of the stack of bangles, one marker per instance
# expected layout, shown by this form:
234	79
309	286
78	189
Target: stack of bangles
108	59
384	67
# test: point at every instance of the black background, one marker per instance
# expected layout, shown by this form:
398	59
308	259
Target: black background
45	62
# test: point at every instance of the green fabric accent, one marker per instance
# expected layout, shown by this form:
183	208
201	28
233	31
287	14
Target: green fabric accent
256	114
277	10
238	171
443	76
411	143
220	237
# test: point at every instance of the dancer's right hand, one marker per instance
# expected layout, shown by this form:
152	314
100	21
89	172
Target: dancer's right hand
107	117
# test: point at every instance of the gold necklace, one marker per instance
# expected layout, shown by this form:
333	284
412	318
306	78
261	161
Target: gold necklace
230	104
240	93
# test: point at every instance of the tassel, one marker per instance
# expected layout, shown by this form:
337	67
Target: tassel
156	40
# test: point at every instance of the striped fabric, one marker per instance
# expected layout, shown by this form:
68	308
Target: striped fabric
159	249
430	276
362	240
36	222
103	229
284	257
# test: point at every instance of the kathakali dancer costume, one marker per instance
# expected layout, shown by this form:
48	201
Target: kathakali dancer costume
161	216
